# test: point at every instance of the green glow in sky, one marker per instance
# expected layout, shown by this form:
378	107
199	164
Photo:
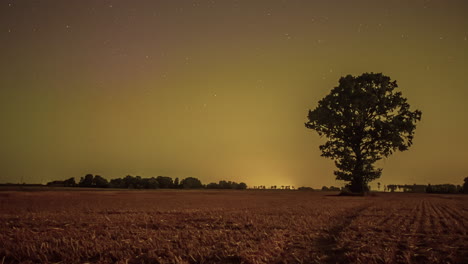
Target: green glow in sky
220	89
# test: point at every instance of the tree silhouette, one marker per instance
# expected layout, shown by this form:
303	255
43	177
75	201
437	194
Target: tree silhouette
191	183
165	182
241	186
364	120
69	182
465	185
87	181
100	182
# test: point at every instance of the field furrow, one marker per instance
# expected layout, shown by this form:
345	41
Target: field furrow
231	227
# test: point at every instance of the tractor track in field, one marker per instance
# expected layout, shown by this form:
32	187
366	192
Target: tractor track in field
427	230
228	227
327	244
321	244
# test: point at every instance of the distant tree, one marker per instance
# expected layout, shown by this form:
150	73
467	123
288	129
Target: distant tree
449	188
191	183
231	185
378	186
364	120
465	186
87	181
176	183
69	182
152	183
227	185
444	188
117	183
304	188
128	182
325	189
100	182
212	185
56	184
140	183
334	189
429	188
392	187
241	186
165	182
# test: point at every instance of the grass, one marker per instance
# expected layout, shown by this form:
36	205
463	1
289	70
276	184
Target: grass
212	226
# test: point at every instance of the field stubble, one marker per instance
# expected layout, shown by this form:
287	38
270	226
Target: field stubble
231	227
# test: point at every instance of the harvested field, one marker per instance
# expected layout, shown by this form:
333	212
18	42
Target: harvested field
231	227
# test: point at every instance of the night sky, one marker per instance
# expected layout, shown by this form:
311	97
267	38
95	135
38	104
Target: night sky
220	89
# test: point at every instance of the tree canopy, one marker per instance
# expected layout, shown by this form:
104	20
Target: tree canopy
365	120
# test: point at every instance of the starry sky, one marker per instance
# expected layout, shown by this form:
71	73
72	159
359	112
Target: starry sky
220	89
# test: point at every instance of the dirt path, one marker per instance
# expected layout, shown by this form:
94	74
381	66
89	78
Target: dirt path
327	243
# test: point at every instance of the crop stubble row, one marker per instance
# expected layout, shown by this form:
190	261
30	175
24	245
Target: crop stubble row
231	227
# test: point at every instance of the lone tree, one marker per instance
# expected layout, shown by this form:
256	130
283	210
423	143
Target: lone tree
365	120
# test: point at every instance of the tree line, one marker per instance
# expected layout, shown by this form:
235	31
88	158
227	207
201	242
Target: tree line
436	188
302	188
138	182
